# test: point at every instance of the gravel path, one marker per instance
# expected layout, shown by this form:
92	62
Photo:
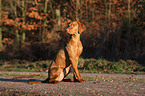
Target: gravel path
96	84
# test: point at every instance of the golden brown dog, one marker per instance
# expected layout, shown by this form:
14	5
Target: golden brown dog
67	57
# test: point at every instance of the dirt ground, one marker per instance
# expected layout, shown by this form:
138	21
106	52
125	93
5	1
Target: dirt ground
95	85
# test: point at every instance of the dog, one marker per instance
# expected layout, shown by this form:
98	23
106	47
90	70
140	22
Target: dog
67	57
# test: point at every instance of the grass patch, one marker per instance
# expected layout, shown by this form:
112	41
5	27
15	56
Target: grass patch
24	66
105	66
84	66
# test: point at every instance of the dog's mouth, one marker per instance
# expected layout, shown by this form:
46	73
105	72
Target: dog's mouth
68	31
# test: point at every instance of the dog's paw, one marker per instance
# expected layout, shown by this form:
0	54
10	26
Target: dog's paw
82	80
79	80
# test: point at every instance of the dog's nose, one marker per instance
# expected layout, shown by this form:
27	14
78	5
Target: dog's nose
67	30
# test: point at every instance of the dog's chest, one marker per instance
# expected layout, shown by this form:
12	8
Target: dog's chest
79	48
74	46
75	49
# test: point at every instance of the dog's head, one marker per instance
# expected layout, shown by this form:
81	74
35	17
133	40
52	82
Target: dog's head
76	28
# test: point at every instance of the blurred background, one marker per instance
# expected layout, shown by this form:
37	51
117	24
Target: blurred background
34	29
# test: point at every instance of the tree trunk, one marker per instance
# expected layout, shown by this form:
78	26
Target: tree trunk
0	25
44	25
17	39
58	18
109	12
23	16
17	31
86	11
129	16
77	9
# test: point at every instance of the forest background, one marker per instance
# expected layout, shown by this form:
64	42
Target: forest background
34	29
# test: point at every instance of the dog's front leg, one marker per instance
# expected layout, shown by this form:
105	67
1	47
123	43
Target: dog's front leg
77	77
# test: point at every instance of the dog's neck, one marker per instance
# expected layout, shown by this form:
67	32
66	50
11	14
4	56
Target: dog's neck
75	38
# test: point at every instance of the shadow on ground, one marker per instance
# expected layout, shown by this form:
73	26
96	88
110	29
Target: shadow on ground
17	80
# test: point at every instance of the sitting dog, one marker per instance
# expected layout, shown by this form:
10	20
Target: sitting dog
67	57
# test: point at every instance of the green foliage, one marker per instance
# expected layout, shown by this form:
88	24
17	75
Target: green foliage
105	66
85	65
25	66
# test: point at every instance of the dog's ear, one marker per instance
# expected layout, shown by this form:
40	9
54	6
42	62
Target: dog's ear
82	27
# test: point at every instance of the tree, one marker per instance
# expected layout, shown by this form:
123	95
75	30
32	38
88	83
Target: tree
13	5
45	19
77	9
23	17
0	24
